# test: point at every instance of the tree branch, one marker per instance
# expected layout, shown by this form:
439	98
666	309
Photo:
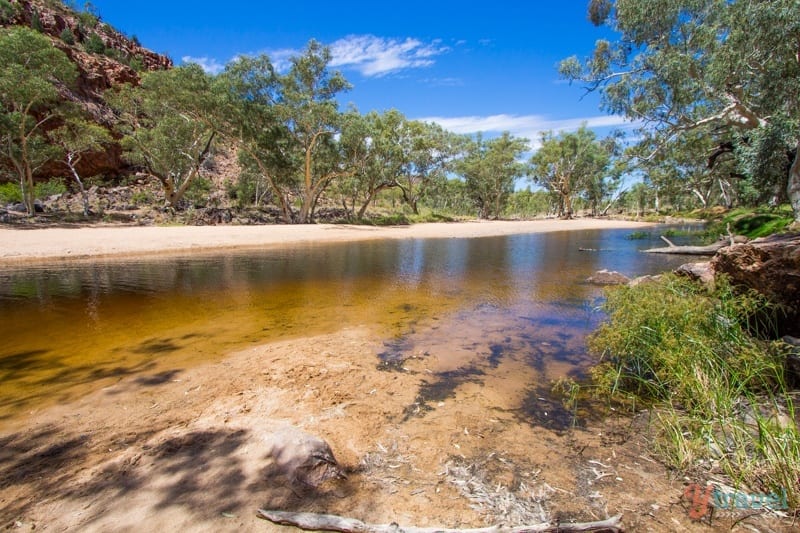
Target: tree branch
323	522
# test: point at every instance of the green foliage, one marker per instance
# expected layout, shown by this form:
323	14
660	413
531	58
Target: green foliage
490	169
49	188
88	17
528	204
67	36
722	72
10	193
167	125
8	11
36	21
30	68
719	392
753	223
638	235
94	44
198	192
572	163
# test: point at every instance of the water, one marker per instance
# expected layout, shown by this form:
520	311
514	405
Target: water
472	306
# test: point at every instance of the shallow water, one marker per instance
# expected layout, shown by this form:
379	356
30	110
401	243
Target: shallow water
469	305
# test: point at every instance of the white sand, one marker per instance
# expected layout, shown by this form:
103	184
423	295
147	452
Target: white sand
67	243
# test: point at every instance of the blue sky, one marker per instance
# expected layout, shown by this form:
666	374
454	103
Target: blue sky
488	66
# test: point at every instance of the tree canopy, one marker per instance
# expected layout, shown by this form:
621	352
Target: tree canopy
168	125
31	72
728	69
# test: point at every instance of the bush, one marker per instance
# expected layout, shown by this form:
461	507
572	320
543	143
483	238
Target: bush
8	11
10	193
36	21
67	36
94	44
88	20
49	188
198	192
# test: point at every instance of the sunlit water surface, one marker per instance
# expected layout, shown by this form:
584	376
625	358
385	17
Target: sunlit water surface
67	328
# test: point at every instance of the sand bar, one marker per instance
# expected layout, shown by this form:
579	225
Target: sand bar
108	241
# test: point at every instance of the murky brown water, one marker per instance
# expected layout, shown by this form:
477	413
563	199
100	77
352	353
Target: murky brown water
69	328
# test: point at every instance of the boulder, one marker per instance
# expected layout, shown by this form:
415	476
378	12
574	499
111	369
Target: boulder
701	272
771	266
608	277
305	460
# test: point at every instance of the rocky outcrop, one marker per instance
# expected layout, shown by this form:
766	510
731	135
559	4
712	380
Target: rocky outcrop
771	266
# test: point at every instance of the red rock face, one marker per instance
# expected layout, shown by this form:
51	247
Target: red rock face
96	74
771	266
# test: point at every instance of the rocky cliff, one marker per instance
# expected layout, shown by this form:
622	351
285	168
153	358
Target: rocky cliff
120	61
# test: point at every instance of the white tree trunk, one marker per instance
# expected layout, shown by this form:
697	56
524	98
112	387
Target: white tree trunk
793	186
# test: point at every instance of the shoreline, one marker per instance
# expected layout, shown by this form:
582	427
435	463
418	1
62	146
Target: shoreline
74	244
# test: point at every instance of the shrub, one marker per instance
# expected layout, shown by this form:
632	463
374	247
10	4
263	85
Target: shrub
94	44
10	193
88	20
67	36
36	21
49	188
198	191
8	11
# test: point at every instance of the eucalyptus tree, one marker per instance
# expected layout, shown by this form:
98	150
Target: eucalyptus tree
168	127
32	71
374	145
78	137
681	65
288	125
569	164
250	90
308	109
428	153
490	169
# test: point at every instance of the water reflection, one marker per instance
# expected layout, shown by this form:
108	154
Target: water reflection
471	302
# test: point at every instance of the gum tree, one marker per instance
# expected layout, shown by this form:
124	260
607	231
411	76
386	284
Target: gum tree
727	66
78	137
569	164
168	126
490	169
307	107
31	72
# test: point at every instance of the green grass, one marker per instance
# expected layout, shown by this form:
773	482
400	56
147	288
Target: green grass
717	390
638	235
753	222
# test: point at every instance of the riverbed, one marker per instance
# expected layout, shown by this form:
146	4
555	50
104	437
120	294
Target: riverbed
138	393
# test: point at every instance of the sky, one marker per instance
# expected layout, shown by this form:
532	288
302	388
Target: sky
471	67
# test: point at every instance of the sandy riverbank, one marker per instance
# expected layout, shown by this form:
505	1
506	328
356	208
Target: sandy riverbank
71	243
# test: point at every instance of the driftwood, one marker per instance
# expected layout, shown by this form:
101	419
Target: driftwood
710	249
326	522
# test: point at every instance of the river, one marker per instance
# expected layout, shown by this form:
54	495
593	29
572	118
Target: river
68	328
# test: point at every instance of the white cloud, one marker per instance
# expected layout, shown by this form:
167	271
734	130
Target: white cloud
528	126
377	56
208	64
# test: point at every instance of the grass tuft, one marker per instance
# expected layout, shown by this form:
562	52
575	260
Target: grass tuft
698	358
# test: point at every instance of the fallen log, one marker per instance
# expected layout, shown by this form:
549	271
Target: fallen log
326	522
709	249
